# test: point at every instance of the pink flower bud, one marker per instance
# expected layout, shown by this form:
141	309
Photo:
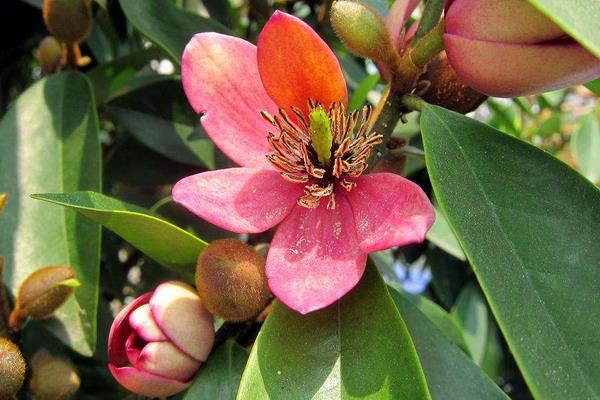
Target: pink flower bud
508	48
158	342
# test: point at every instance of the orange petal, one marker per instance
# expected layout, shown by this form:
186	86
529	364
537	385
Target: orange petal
510	70
295	64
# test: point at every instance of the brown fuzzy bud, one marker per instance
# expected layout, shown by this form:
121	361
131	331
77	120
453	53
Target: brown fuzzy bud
53	378
70	21
231	281
50	55
42	293
12	369
447	90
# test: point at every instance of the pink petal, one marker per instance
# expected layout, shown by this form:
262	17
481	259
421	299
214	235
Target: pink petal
178	311
396	19
314	258
243	200
514	21
220	78
389	211
510	70
121	330
295	64
145	383
141	320
133	348
166	360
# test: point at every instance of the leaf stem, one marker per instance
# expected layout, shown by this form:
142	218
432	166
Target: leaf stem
429	46
431	16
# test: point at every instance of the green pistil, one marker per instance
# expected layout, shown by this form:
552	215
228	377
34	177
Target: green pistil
320	135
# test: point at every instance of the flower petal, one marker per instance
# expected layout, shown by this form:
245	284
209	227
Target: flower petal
314	258
141	320
396	18
389	211
145	383
166	360
133	348
120	331
243	200
295	64
220	78
511	70
180	315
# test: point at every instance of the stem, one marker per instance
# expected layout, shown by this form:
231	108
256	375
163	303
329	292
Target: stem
161	203
412	102
385	118
73	54
431	16
429	47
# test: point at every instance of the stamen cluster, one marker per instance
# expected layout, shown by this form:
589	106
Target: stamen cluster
295	157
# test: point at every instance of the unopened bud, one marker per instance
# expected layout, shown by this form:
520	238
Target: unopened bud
447	90
12	369
42	293
70	21
49	54
231	281
53	378
362	30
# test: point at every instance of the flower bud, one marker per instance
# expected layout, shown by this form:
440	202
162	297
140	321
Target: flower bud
510	49
447	90
12	369
230	278
70	21
53	378
157	343
362	30
49	54
41	294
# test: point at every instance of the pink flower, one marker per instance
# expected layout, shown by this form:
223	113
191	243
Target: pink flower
270	109
508	48
157	343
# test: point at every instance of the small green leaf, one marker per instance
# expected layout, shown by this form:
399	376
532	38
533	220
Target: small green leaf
160	240
355	349
530	226
585	144
594	86
220	376
359	97
320	134
442	236
166	25
471	314
72	282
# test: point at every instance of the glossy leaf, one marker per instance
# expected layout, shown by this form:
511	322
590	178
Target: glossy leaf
585	145
594	86
442	236
471	314
159	116
450	374
49	142
530	227
220	376
160	240
579	18
167	26
357	348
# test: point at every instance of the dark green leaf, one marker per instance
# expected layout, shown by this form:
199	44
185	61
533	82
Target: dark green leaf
579	18
530	226
167	26
471	314
220	375
357	348
359	97
450	374
49	142
585	145
442	236
158	239
594	86
159	116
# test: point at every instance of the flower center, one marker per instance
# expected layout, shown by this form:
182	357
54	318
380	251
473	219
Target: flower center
322	149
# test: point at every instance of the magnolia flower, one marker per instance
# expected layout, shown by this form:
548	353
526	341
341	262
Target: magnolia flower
157	343
278	110
508	48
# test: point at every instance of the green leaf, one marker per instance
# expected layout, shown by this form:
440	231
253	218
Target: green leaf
159	116
359	97
471	314
530	226
594	86
220	375
442	236
160	240
108	78
49	142
354	349
579	18
167	26
585	144
450	374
